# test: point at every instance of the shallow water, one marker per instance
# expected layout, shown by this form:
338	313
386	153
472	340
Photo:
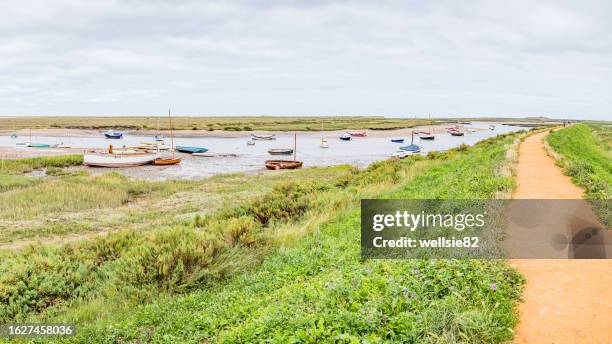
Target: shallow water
359	151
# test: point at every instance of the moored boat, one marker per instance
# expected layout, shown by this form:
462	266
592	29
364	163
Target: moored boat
345	137
111	134
216	155
280	151
250	143
427	137
167	161
33	145
400	154
118	159
411	147
492	127
361	133
401	140
263	137
457	133
159	138
283	164
323	144
187	149
13	136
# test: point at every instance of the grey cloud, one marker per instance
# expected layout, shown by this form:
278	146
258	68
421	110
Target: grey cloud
306	57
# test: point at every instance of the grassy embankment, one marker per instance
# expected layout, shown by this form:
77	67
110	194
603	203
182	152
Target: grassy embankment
317	289
243	123
448	300
584	151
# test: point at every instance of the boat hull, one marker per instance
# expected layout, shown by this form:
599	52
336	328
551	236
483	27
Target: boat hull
427	137
411	148
191	149
280	151
118	160
397	140
283	164
113	136
263	137
167	161
457	134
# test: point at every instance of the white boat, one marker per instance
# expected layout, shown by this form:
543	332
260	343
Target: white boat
323	144
492	127
118	159
263	136
400	154
216	155
250	143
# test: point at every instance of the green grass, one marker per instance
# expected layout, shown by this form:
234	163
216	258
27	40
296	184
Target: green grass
282	265
585	154
316	289
19	166
70	202
239	123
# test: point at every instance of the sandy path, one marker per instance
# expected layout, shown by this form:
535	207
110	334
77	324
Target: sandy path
565	301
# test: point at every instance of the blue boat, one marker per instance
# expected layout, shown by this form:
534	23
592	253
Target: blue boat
397	140
411	147
345	137
186	149
113	134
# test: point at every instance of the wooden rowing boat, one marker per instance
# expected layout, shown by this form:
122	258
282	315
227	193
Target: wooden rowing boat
167	161
283	164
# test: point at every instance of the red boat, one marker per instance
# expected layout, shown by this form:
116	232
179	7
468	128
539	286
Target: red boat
358	133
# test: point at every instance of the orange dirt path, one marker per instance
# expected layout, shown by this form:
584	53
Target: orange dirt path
565	301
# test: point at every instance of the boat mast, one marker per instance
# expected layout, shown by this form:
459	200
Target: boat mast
171	135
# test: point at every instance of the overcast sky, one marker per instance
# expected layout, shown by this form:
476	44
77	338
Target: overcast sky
394	58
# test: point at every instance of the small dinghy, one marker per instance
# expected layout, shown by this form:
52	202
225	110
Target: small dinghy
186	149
400	154
286	164
32	145
412	148
111	134
159	138
397	140
112	159
457	133
250	143
216	155
427	137
118	160
492	127
13	136
167	160
357	133
345	137
280	151
323	144
263	137
283	164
